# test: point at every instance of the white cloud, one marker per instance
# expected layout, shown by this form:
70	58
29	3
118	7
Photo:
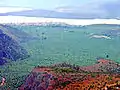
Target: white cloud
105	8
27	20
12	9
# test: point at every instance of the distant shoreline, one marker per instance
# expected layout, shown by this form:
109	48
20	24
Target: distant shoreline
42	20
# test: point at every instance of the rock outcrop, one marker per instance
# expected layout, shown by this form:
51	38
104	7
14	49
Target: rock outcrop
70	77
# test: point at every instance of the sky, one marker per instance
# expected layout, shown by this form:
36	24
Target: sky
50	4
104	8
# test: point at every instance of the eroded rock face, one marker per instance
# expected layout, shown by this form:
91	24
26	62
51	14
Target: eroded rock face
10	48
99	82
63	76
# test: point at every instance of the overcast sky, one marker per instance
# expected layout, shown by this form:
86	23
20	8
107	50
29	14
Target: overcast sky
52	4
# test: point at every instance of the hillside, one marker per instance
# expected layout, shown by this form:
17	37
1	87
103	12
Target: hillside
71	77
17	34
9	46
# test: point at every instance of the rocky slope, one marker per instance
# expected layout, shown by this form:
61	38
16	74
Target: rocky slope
9	46
70	77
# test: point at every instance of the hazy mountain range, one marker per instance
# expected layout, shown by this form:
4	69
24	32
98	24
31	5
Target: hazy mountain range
106	10
52	14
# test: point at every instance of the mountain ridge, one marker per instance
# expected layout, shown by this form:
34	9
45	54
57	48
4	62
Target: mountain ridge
55	14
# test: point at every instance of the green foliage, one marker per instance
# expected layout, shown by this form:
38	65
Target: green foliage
93	74
65	83
62	70
59	47
109	78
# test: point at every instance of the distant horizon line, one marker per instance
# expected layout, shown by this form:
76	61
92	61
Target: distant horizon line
28	20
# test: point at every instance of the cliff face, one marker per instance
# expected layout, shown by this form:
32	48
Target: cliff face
9	47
